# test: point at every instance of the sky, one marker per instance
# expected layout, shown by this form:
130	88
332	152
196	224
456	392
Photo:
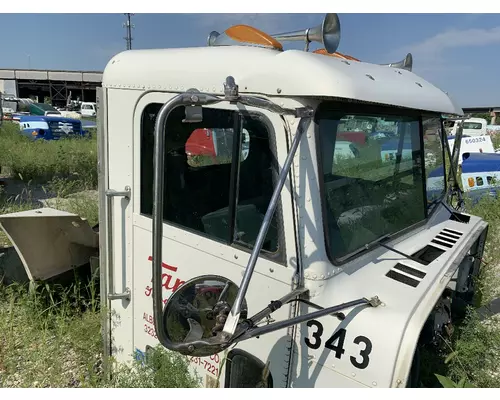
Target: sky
459	53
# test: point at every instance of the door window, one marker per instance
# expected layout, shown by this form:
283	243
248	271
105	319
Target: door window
198	162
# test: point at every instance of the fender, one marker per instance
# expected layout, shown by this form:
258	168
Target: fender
355	344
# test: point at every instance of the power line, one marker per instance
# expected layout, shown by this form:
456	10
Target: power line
128	26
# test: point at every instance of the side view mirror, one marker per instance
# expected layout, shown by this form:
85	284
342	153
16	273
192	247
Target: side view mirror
195	314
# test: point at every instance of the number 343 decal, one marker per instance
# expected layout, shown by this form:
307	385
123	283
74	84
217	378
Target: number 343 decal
336	344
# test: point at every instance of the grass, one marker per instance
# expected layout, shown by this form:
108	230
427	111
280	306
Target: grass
50	337
42	161
50	334
48	342
472	353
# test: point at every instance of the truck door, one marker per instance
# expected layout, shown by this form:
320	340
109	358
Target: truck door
196	230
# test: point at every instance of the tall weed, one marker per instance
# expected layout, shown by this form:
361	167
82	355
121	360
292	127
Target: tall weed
73	159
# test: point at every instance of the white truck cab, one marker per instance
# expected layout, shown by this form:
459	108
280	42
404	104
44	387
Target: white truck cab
471	127
285	266
88	109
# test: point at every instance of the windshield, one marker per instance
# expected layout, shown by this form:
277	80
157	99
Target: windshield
375	185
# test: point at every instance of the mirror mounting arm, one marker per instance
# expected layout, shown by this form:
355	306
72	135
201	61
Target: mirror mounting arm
272	307
250	333
234	316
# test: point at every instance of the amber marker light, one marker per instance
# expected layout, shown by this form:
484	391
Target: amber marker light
336	54
251	35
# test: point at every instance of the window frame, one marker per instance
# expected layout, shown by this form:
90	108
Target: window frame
444	142
442	138
363	109
280	256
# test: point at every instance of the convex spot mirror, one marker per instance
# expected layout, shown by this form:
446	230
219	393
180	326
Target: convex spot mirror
195	314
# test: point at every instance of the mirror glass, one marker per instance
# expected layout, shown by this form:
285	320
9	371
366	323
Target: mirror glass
197	311
214	146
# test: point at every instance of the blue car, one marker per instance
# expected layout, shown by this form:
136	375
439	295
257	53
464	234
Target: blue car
50	127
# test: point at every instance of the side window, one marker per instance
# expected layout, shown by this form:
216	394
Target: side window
479	181
198	161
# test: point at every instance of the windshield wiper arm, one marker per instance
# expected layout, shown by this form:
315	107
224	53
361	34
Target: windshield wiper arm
385	238
380	242
402	254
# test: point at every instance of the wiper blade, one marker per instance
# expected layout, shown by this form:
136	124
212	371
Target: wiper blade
381	242
402	254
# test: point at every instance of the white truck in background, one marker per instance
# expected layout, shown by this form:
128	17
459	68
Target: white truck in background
471	127
88	109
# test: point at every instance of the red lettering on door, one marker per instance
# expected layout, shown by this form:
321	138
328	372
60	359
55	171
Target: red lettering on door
148	318
169	267
166	280
166	283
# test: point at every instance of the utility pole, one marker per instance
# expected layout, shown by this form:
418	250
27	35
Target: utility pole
128	26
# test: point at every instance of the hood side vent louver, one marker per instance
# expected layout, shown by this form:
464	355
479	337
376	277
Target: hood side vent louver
447	238
406	275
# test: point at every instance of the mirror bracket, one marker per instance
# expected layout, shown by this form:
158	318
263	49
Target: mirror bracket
194	114
231	92
258	331
194	316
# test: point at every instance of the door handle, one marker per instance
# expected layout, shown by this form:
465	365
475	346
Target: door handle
110	194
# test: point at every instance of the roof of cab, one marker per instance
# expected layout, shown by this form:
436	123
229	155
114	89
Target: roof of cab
291	73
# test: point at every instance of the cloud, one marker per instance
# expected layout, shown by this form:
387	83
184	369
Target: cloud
454	38
432	54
